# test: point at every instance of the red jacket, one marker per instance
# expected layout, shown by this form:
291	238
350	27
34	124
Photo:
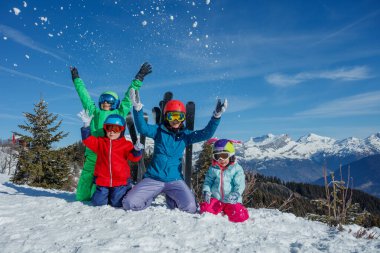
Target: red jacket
111	168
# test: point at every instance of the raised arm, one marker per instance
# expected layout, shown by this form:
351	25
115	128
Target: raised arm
136	84
209	130
85	98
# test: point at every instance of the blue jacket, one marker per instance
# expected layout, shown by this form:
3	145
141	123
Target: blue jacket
166	164
220	183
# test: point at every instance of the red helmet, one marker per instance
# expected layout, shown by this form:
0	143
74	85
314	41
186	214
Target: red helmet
174	106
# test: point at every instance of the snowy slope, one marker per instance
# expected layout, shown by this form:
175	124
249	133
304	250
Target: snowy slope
38	220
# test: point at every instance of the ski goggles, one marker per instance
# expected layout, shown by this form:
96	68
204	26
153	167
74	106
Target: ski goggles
113	128
171	116
107	98
221	155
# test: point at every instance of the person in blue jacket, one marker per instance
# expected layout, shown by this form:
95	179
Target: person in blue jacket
164	173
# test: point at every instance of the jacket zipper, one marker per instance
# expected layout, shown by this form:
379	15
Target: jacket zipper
221	184
109	161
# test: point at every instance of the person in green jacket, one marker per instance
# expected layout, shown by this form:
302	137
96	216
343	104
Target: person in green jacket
109	103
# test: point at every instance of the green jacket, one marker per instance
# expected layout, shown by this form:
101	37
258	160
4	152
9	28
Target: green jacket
100	115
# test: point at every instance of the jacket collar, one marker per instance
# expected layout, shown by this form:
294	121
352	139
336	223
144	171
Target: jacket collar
164	128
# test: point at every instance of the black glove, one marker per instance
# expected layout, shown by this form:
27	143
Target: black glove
145	69
220	108
74	73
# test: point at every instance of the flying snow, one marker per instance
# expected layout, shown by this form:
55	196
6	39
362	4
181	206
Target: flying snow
16	11
43	19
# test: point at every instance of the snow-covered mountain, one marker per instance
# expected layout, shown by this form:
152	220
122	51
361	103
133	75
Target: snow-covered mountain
307	147
302	159
41	220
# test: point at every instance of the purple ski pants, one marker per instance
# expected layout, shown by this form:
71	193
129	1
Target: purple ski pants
178	195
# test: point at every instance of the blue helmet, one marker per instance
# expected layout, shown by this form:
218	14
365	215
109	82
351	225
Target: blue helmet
111	98
115	119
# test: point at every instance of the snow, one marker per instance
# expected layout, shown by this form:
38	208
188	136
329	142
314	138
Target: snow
43	19
40	220
282	146
16	11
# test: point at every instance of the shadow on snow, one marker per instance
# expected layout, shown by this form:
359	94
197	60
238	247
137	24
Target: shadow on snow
35	192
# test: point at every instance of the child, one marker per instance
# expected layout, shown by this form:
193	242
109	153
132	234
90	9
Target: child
224	184
109	103
112	171
164	173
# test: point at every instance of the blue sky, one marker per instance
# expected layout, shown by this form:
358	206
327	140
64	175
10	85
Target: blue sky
286	67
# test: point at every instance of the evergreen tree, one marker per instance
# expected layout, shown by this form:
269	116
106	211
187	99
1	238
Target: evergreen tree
38	164
201	167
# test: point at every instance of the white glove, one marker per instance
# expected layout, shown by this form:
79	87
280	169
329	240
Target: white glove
85	117
138	146
135	98
220	108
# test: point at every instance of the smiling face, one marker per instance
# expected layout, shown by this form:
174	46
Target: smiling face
175	124
224	162
113	135
105	106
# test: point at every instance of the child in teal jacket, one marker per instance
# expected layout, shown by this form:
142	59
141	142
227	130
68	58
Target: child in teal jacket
224	184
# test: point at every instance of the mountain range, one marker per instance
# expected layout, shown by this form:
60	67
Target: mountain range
301	160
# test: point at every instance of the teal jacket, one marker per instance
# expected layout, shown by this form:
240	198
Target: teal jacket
220	183
166	164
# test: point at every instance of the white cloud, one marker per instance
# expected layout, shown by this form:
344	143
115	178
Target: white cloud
26	41
344	74
362	104
347	27
14	72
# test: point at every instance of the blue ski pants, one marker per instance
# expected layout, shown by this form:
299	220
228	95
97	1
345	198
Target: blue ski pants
110	195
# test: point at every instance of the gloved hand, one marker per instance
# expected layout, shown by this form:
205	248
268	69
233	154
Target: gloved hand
232	197
138	146
135	99
207	197
74	73
85	117
145	69
220	108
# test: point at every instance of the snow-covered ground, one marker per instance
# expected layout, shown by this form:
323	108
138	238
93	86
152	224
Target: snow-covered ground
39	220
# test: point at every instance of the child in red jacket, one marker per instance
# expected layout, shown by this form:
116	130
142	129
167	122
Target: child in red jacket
112	172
